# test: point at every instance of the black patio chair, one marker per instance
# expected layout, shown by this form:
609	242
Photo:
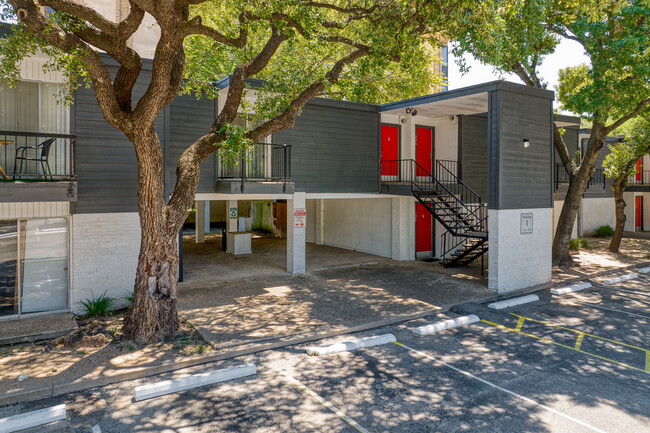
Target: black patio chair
42	151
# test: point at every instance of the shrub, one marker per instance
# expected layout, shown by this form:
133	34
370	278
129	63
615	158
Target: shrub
100	305
576	244
129	297
605	231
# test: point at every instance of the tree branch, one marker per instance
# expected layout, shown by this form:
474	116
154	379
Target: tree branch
196	27
242	72
637	110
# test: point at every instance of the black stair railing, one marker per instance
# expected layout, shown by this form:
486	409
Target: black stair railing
454	204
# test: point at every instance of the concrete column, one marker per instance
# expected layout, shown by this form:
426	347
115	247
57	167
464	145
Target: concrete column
320	222
403	229
520	244
199	221
207	216
231	215
296	233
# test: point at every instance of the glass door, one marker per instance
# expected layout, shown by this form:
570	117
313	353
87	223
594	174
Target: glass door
8	268
44	263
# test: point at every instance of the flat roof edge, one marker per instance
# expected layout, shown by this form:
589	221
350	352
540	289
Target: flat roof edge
470	90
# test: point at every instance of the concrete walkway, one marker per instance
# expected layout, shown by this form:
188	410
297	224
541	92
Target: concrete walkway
36	328
255	309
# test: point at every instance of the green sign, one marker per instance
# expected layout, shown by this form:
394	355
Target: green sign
233	213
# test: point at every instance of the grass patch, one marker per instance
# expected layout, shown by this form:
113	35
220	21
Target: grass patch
577	244
101	305
605	231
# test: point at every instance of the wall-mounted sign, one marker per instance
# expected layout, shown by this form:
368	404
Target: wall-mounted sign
300	218
526	223
233	213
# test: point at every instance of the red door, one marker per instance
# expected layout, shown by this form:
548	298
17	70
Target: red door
389	150
638	221
423	150
638	170
423	236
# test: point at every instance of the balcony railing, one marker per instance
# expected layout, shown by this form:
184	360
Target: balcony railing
639	178
264	162
562	177
26	156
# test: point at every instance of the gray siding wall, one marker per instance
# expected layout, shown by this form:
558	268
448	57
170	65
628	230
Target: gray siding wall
474	150
525	175
189	119
335	147
104	159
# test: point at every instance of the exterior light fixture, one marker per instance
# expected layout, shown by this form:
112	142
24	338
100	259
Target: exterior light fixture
412	111
526	143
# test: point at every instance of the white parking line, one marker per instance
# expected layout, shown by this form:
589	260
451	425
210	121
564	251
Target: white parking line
618	289
611	309
507	391
324	402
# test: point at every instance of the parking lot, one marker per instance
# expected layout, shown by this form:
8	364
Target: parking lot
579	362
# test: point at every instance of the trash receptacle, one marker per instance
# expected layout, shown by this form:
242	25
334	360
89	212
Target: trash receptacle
224	239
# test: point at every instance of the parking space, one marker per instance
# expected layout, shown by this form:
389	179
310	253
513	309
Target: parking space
578	362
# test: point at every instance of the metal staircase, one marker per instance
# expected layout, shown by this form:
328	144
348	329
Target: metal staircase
451	202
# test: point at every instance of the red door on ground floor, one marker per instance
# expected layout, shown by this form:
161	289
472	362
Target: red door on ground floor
638	208
423	231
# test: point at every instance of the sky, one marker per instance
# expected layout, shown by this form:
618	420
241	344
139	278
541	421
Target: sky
568	53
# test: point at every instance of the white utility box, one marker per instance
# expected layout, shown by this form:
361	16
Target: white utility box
238	243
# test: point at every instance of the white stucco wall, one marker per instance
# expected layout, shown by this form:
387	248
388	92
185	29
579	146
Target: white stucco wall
517	260
597	212
557	210
104	256
358	224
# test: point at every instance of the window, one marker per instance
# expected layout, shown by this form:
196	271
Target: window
32	107
33	266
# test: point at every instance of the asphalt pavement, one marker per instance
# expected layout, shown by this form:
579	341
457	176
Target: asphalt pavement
578	362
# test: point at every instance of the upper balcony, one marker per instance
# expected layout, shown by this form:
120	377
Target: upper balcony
598	179
37	166
264	169
639	181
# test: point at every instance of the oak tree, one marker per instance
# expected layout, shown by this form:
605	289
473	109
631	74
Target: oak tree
301	49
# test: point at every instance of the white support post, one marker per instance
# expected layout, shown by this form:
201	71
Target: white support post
320	222
296	233
403	218
207	216
232	216
199	224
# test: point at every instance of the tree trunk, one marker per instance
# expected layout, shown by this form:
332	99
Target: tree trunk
619	188
153	315
577	185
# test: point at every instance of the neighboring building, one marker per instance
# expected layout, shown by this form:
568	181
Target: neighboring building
597	207
144	40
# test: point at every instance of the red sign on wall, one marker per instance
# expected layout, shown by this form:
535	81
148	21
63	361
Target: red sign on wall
299	218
